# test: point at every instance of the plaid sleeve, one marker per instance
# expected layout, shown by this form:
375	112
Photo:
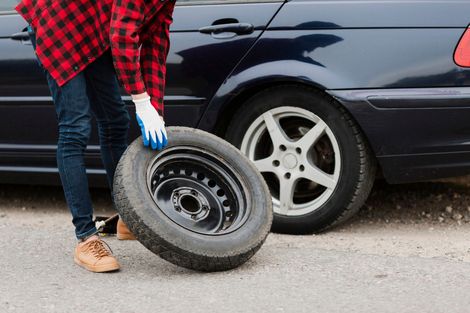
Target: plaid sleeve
126	19
153	56
27	10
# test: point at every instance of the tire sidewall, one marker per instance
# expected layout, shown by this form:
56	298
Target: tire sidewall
154	221
350	154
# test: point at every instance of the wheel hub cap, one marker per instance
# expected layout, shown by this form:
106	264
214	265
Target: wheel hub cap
190	203
288	145
197	190
289	161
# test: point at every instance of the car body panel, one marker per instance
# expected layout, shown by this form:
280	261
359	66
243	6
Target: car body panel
346	59
406	62
321	14
199	63
405	129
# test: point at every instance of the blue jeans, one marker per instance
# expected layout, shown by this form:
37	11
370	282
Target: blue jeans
95	91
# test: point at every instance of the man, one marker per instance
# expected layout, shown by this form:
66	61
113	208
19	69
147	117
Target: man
77	42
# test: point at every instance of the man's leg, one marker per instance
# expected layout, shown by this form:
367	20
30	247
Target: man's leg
73	114
74	120
109	110
113	120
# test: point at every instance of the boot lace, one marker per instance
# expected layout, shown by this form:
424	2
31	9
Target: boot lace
99	249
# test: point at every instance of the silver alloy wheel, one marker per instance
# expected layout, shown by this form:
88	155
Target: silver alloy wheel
298	155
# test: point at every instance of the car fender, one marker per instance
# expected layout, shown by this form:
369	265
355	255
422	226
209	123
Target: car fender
251	79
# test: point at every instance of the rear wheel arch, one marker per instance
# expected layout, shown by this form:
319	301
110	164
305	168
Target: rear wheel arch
231	106
235	103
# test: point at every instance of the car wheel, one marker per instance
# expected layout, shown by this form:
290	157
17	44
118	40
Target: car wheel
311	153
199	203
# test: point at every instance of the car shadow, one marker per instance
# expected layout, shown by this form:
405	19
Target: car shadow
429	204
436	202
49	198
444	202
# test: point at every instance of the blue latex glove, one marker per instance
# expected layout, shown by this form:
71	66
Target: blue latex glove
151	124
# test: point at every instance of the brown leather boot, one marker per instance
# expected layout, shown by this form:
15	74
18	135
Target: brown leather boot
94	255
122	232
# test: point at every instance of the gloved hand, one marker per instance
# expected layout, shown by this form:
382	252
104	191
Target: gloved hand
151	124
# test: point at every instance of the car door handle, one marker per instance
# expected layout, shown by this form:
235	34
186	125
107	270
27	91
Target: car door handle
238	28
22	36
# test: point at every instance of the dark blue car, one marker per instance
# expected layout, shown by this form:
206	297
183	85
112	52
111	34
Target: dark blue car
321	95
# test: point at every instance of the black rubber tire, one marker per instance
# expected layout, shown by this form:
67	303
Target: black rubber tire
358	167
174	243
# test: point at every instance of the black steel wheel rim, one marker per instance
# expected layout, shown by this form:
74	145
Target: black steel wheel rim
198	190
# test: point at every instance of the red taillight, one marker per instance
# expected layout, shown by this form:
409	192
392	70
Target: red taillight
462	53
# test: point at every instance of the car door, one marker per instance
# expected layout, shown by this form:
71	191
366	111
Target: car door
27	119
208	39
28	124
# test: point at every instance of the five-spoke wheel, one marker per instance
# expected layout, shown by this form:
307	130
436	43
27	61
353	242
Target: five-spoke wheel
311	153
301	152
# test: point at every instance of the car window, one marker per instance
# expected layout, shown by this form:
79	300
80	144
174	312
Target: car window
8	5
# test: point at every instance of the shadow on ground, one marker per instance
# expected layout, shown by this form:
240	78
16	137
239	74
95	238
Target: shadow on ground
438	202
46	198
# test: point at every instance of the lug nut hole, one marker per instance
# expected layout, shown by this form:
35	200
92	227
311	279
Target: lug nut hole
282	147
287	175
298	150
276	163
302	168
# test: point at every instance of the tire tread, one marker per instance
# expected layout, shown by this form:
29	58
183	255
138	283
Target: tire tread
126	199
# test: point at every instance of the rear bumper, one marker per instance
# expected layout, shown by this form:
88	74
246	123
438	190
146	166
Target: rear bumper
416	134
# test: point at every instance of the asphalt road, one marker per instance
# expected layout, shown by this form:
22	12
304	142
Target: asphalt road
407	251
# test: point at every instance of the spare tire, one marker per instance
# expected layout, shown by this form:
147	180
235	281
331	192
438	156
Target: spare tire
199	203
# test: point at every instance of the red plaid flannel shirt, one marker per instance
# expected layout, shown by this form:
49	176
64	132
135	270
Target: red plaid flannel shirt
72	34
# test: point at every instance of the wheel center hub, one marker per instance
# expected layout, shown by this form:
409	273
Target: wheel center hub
289	161
190	203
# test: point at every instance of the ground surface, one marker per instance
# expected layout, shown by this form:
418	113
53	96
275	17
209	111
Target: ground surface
406	251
